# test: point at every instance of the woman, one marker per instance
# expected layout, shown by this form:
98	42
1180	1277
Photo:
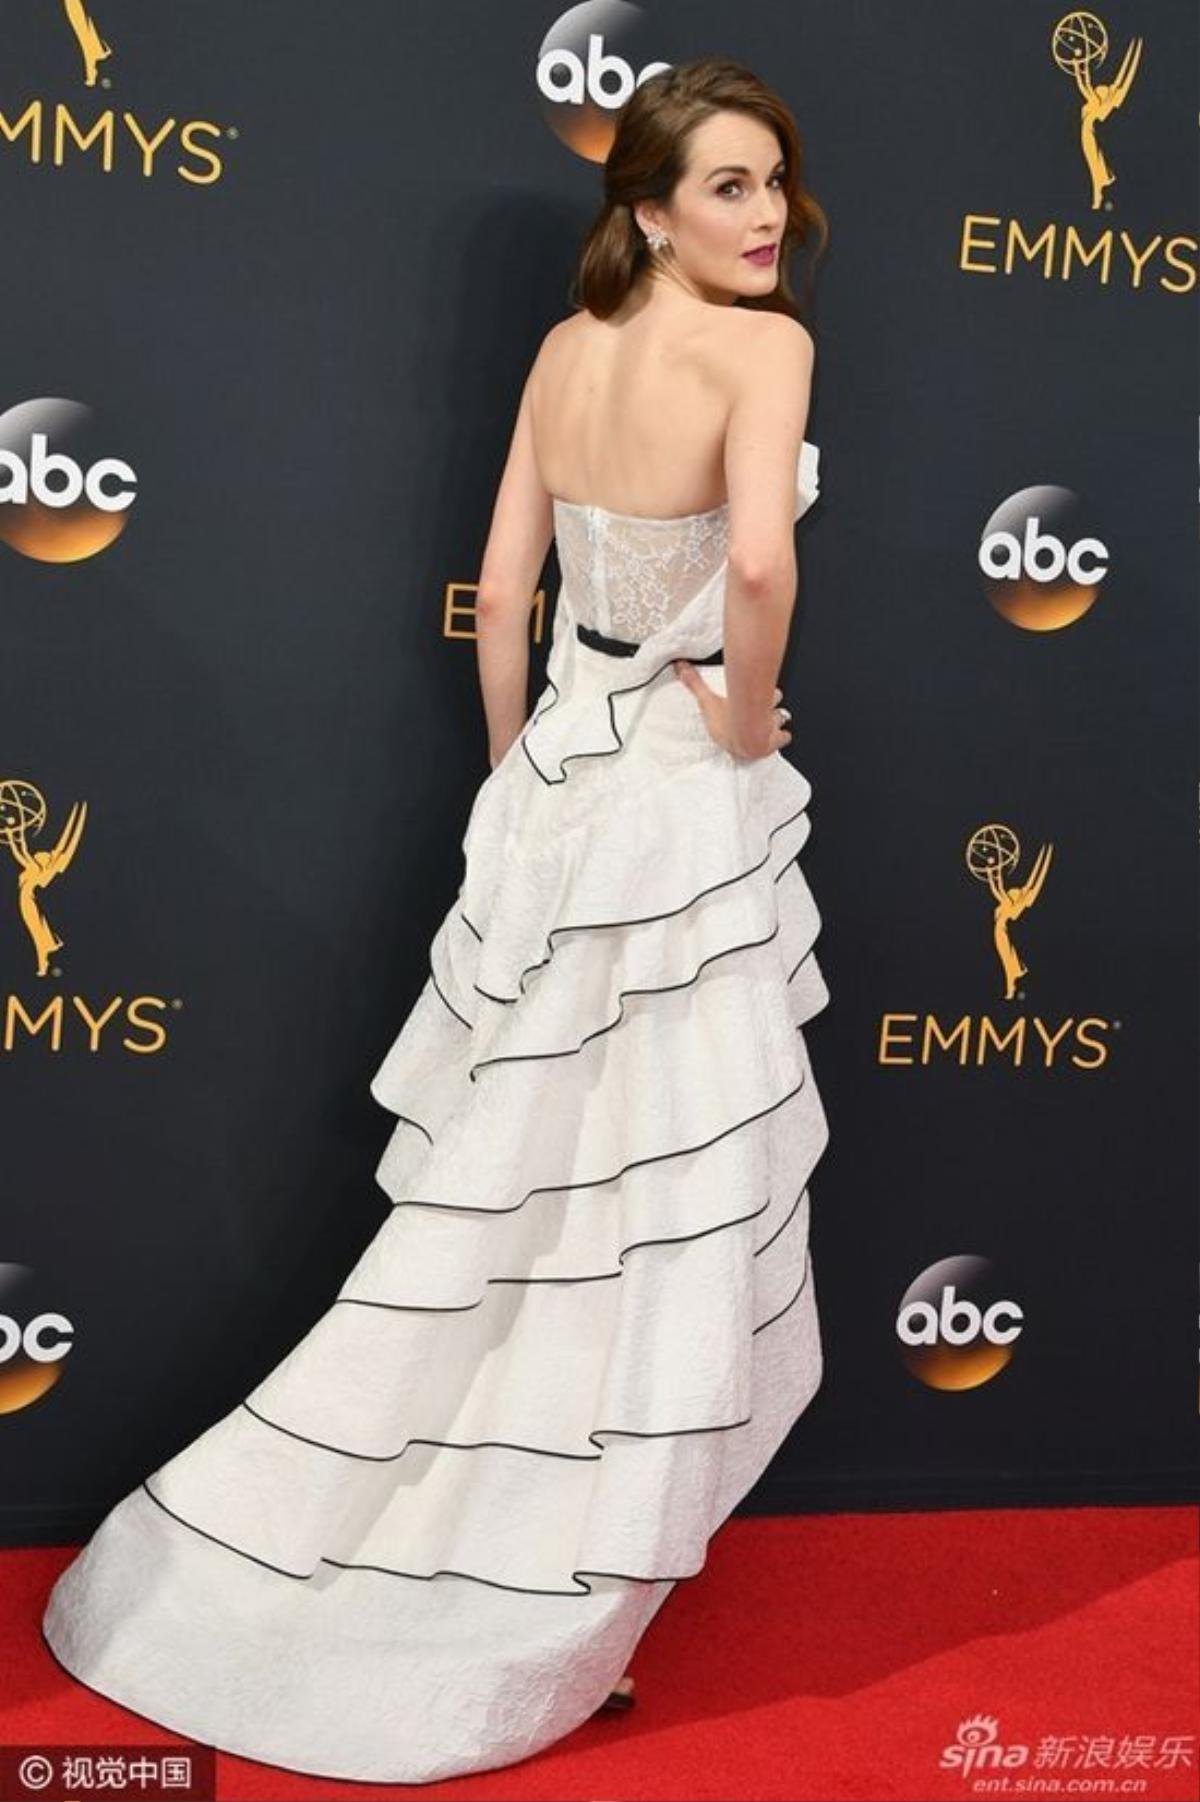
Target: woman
429	1540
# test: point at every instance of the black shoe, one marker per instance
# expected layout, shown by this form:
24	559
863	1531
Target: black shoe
617	1701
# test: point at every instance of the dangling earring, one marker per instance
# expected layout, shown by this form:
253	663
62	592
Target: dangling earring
656	239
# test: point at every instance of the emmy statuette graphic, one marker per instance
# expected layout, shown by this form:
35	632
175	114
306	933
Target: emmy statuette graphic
22	813
92	46
991	850
1079	44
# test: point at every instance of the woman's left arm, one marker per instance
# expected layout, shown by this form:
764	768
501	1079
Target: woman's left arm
519	537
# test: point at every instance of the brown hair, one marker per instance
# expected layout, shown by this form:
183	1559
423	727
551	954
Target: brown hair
647	159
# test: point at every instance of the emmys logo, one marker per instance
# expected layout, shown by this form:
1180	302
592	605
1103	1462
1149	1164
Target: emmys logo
976	1744
1079	44
991	852
955	1331
22	814
34	1341
112	134
1043	568
64	503
991	245
588	65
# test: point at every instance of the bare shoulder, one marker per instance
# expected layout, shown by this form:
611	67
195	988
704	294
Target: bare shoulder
577	321
564	334
752	342
559	342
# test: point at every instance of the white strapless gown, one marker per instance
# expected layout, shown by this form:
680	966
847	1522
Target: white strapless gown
429	1540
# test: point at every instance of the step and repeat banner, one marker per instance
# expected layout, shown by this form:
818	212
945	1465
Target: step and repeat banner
274	276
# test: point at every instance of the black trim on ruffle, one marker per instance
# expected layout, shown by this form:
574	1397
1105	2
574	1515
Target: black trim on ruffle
795	971
777	877
462	1018
786	1221
381	1570
599	1182
524	1057
643	919
407	1119
599	1276
609	750
537	1451
477	1445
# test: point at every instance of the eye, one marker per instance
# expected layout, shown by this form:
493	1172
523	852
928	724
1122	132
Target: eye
777	179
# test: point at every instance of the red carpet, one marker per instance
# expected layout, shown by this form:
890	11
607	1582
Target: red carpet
823	1657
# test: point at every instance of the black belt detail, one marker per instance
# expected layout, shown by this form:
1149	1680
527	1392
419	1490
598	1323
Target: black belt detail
622	647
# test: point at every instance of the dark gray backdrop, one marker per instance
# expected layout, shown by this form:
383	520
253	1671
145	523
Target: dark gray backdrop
312	364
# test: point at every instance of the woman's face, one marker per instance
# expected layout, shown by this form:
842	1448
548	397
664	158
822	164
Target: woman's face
729	200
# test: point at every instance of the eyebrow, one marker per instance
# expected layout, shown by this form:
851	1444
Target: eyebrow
741	169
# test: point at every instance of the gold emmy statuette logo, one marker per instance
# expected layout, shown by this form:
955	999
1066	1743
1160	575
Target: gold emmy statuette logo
22	813
92	47
1143	258
916	1038
1079	44
992	850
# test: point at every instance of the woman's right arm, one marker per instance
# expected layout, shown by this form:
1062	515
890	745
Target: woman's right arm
767	418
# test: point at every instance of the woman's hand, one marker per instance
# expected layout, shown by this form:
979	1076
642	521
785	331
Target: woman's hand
715	708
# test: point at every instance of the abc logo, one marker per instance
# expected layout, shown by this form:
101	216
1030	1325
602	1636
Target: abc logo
61	497
588	65
41	1338
956	1331
34	1341
1043	569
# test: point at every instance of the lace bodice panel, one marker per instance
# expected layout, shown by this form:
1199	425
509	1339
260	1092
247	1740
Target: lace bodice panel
658	584
629	576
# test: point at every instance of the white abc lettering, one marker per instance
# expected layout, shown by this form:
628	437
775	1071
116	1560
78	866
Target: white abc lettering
1087	573
1042	556
34	1340
581	83
17	482
996	1334
917	1324
957	1321
954	1310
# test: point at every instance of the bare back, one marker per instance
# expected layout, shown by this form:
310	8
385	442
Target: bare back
630	413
